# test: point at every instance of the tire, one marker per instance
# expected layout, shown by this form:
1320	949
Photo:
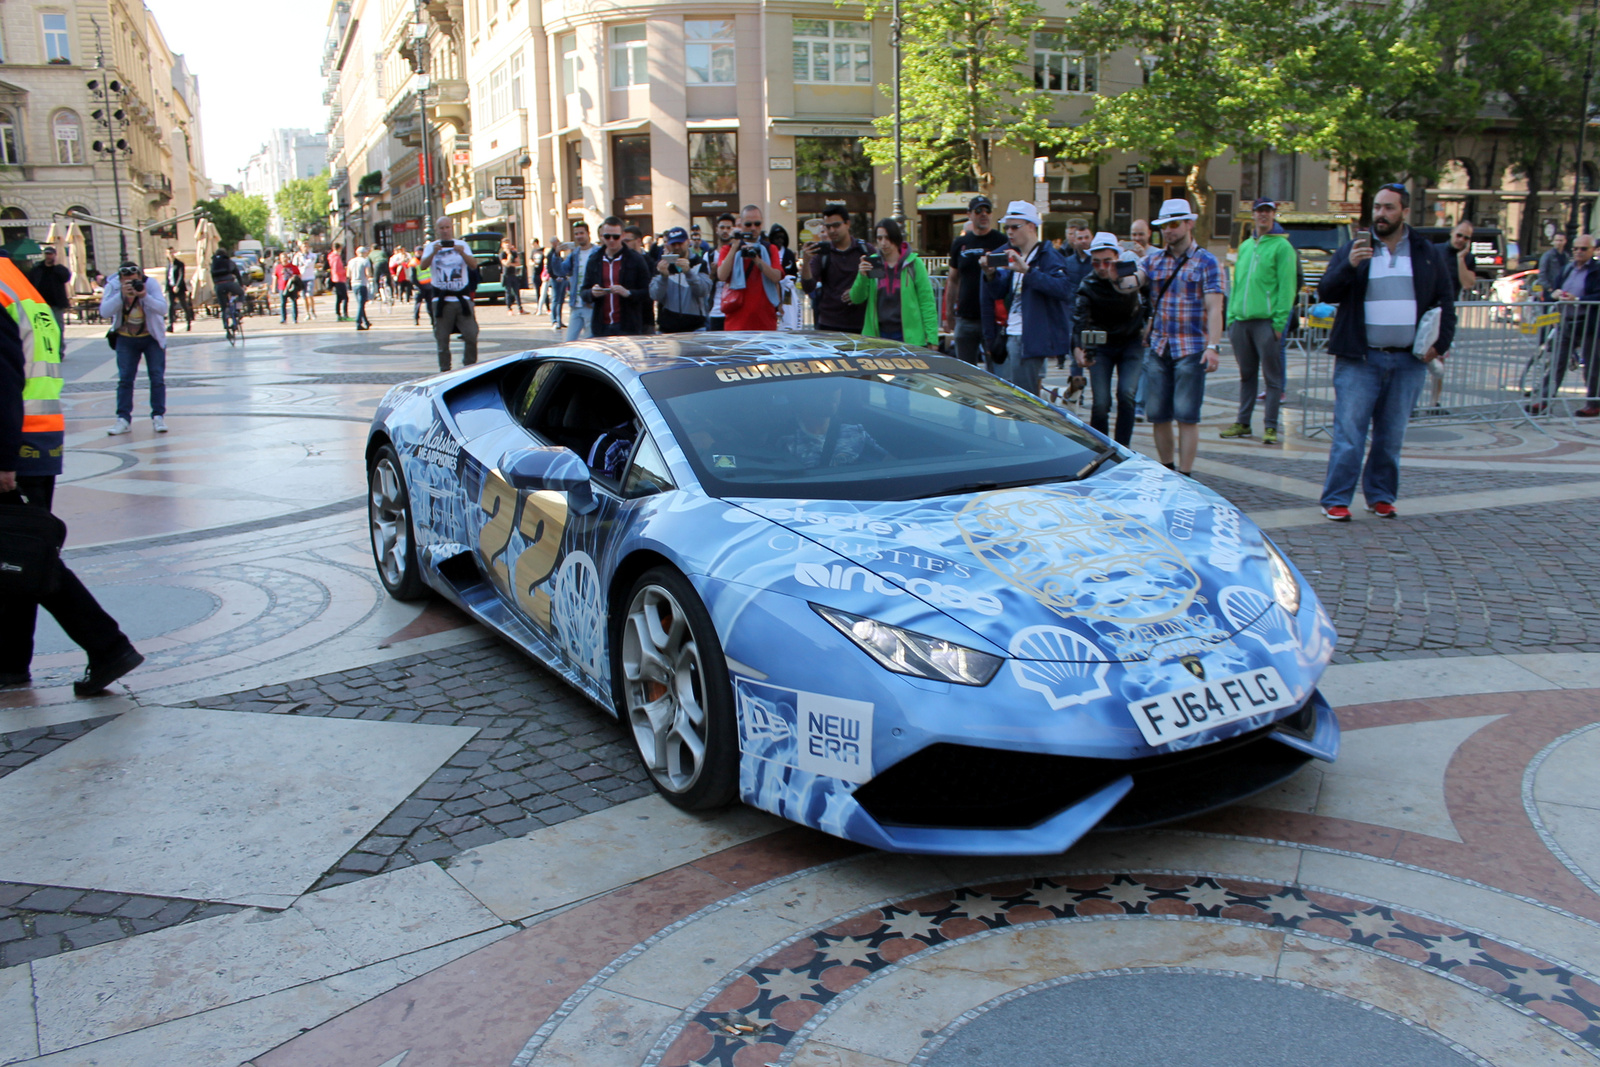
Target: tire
394	542
670	680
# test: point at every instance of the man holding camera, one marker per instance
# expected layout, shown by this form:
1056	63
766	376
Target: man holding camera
829	267
1108	328
1031	277
681	285
138	316
752	270
448	262
965	279
616	283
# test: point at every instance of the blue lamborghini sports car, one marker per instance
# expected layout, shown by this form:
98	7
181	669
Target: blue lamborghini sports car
865	587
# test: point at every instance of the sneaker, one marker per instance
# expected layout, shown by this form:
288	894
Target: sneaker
1383	509
1337	513
1269	436
159	423
1590	412
120	426
1238	429
99	675
15	681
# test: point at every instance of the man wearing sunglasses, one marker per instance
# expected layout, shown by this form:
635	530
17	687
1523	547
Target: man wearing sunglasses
1384	283
616	283
1038	297
828	269
966	278
752	269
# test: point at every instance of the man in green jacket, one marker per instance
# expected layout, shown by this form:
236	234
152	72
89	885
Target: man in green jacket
1258	314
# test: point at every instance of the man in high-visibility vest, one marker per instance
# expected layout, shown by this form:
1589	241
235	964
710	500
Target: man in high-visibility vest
32	428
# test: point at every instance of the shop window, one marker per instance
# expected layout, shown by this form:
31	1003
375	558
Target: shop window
628	57
831	52
708	51
1057	69
630	164
831	165
714	163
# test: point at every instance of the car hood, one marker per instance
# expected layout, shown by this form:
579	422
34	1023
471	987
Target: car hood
1135	563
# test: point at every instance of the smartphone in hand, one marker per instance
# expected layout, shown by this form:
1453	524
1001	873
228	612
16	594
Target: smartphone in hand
1364	239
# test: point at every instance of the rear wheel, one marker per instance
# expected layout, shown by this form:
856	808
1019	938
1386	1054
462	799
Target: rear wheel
671	680
394	547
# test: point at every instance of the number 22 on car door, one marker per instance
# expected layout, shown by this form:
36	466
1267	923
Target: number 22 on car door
520	543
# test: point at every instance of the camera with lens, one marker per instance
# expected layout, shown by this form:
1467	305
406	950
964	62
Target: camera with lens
1090	338
132	277
748	247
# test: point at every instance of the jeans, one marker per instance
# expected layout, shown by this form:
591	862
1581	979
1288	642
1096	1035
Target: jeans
580	323
176	298
1174	388
1377	392
1126	361
513	297
73	606
968	340
129	349
1025	374
1256	347
558	300
283	306
455	313
363	294
1577	336
341	299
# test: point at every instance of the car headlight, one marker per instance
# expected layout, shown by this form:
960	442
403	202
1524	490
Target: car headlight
1285	589
915	654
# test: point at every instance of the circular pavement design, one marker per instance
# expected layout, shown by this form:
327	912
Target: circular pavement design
143	611
1133	1020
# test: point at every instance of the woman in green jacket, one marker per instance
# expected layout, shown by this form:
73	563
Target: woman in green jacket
894	286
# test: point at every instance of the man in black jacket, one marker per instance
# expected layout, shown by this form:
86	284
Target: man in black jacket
51	279
617	283
1579	333
829	267
178	290
1384	283
1108	302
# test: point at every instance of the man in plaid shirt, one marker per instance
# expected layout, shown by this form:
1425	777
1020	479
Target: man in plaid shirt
1186	291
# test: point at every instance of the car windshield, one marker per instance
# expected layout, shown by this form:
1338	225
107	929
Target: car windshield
865	427
1316	238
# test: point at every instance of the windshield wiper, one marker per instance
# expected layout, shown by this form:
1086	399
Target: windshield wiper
1093	465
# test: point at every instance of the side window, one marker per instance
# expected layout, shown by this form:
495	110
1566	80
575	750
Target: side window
649	473
588	414
522	402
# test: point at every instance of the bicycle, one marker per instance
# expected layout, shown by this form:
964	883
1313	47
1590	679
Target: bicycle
233	320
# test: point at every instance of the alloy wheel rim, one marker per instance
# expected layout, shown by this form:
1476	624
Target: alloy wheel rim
388	514
665	688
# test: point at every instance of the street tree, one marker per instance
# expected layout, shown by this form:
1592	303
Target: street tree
303	205
251	211
966	90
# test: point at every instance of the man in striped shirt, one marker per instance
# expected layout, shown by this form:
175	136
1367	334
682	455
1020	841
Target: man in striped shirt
1384	283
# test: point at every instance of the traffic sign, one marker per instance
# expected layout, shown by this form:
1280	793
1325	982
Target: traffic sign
509	187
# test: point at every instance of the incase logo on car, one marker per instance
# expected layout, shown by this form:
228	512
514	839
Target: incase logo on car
940	595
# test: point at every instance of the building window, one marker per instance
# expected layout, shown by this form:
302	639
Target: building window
1058	70
568	44
628	57
499	93
829	52
516	80
56	48
12	235
630	164
708	51
494	10
572	170
831	165
8	139
713	163
69	138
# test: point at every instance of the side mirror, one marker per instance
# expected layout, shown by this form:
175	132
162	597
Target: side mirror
553	469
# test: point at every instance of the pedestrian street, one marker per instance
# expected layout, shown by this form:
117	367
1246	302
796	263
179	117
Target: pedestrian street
323	828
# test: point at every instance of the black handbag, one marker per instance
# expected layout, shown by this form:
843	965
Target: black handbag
30	550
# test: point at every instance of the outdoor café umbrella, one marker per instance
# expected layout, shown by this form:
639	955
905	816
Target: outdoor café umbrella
205	244
77	261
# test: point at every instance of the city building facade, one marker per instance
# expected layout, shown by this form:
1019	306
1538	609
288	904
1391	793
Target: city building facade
287	155
50	121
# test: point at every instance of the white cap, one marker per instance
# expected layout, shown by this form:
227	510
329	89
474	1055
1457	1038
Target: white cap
1175	210
1022	211
1105	240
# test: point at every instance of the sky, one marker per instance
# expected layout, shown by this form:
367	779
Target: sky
256	74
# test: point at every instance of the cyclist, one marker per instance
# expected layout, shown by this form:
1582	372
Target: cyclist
225	279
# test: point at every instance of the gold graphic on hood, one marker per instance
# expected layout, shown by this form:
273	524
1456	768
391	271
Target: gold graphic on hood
1078	556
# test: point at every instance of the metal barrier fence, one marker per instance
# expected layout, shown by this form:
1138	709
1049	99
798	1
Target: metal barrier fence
1529	362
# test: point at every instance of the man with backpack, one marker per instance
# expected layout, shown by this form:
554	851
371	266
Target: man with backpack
449	263
828	269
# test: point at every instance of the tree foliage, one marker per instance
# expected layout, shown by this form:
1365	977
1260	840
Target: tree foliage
303	205
966	90
251	211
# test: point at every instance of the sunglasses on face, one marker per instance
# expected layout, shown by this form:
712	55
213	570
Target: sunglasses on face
1010	226
611	237
981	211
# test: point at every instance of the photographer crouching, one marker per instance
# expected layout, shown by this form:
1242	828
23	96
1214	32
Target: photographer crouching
137	312
1108	324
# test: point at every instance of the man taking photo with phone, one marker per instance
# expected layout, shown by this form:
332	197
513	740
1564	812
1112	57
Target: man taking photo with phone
1031	277
829	267
1384	283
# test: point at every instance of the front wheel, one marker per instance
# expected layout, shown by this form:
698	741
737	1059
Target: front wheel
671	681
394	547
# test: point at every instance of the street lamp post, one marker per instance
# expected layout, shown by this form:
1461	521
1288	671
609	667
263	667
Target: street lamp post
109	119
419	46
899	209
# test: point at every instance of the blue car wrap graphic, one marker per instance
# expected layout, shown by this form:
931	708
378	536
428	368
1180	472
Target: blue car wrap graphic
1095	595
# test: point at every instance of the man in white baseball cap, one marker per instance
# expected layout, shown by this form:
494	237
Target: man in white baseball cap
1185	333
1108	303
1038	294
